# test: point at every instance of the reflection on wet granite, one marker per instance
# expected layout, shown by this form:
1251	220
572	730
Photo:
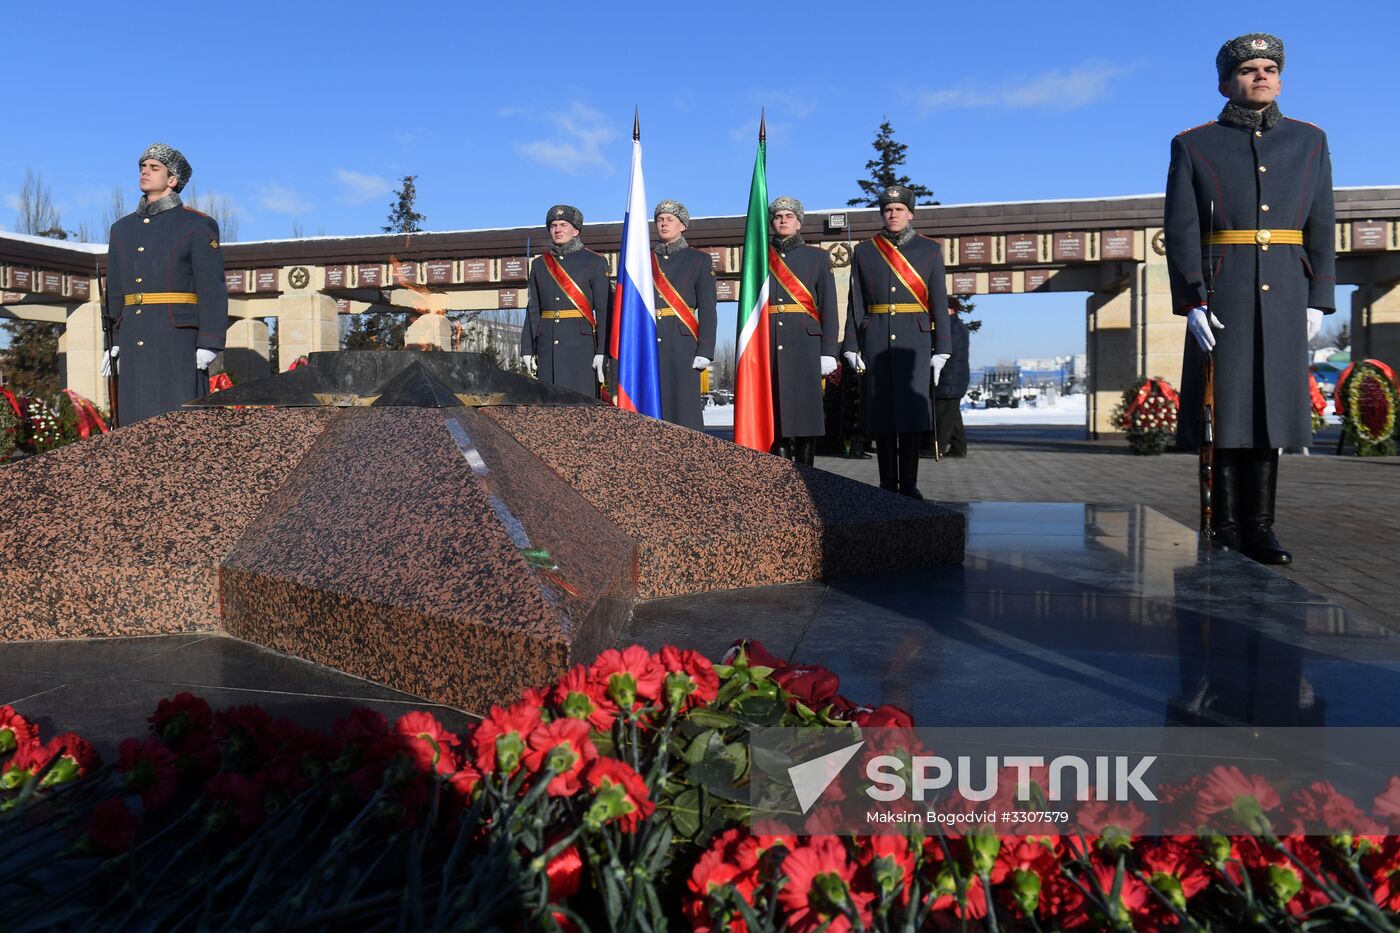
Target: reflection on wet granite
1121	624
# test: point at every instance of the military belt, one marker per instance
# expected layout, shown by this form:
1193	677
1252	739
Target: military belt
910	308
1255	237
666	312
560	315
161	298
784	308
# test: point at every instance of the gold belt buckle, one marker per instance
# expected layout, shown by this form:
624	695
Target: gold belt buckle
140	298
1262	237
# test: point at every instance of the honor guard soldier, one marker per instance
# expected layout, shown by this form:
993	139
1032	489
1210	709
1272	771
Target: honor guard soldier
896	336
1249	237
566	320
802	337
166	296
685	312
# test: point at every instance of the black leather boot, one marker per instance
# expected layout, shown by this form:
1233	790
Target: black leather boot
1225	499
888	461
909	465
804	450
1258	487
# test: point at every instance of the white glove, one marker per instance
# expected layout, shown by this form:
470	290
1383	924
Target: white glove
699	363
1196	323
109	362
598	368
1314	322
828	365
531	366
938	361
202	358
855	360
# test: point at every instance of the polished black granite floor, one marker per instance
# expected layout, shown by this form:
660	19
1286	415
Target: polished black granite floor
1062	614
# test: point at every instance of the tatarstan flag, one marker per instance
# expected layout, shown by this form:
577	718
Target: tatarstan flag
753	375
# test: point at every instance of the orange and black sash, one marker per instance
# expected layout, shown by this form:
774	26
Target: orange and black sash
569	287
674	299
902	269
792	284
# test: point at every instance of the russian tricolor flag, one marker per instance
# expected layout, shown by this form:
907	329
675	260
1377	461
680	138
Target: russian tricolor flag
633	342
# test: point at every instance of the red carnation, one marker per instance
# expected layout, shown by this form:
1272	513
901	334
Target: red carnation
619	794
463	781
757	655
580	698
815	686
714	884
499	739
72	757
1227	789
886	865
820	888
1382	864
150	770
628	677
1386	806
1175	868
361	724
1320	809
15	730
237	796
690	678
112	827
565	873
430	743
881	717
562	745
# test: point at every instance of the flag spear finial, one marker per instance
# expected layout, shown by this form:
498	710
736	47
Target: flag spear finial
637	124
763	125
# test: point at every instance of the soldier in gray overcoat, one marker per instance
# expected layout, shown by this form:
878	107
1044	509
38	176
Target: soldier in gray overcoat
566	318
166	296
896	334
802	332
1250	254
685	336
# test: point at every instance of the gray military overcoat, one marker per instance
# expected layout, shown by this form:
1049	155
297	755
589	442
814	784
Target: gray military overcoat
564	347
174	251
896	347
798	341
691	272
1275	179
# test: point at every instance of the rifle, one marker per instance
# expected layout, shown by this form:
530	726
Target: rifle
107	338
1207	453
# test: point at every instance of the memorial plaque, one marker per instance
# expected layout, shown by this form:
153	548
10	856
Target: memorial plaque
974	250
509	298
716	258
1022	247
51	283
999	283
337	276
964	283
514	269
439	271
20	279
1069	247
1036	279
1116	244
266	280
342	306
369	276
405	273
80	286
8	298
1367	235
726	290
236	281
476	270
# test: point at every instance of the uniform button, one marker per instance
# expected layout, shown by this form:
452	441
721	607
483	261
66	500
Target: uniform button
138	310
1264	247
892	288
1258	132
780	346
780	323
893	337
1263	207
1263	168
140	343
140	249
556	343
1263	288
138	280
145	220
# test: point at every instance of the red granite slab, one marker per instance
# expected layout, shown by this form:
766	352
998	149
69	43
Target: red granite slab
122	534
427	550
708	514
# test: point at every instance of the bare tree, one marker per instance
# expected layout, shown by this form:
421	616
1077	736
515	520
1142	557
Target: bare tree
37	214
116	209
218	206
84	234
297	231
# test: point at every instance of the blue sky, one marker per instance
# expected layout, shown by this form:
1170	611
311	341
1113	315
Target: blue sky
307	113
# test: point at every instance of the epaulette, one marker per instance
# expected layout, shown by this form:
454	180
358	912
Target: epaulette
193	211
1305	123
1195	128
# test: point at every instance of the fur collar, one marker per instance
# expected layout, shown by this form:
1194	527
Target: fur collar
150	209
900	238
784	244
670	249
562	250
1246	119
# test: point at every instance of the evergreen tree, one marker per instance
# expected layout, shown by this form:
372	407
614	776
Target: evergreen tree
30	361
403	215
884	171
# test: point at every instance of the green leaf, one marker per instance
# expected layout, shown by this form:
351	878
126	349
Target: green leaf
695	751
712	719
761	710
685	813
